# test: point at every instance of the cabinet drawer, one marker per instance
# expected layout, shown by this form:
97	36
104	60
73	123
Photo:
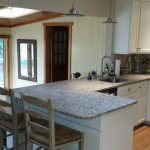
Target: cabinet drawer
126	90
143	85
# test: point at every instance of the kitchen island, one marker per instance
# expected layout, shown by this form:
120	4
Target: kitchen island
107	121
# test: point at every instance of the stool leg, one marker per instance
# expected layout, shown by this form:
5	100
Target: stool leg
2	139
15	141
29	146
25	135
81	144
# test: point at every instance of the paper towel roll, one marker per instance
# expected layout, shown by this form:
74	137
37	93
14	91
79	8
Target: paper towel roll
117	67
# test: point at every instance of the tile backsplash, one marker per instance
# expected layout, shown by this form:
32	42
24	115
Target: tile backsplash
140	63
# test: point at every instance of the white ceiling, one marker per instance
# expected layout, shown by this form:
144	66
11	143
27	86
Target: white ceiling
88	7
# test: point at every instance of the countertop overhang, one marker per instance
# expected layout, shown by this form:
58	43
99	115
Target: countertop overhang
80	98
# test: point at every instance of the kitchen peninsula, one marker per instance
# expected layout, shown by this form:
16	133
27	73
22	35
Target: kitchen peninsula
107	121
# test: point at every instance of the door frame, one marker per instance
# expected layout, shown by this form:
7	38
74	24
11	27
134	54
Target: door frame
7	60
49	53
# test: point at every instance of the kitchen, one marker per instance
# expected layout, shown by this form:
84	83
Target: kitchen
96	42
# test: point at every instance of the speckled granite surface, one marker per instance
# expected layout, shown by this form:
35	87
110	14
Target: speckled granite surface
79	98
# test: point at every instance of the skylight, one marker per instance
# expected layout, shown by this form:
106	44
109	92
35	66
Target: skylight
14	12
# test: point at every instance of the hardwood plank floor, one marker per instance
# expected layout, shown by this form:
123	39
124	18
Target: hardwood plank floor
141	139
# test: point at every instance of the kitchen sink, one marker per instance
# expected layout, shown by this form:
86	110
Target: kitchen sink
113	80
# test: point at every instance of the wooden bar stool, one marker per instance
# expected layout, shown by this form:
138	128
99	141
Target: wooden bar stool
41	129
11	118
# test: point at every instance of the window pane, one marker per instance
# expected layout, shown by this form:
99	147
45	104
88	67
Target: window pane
32	57
23	59
1	62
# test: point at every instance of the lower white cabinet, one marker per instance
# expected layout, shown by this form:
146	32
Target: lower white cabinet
142	97
112	131
148	105
139	92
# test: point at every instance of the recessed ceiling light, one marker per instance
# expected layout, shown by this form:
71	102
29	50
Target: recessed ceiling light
14	12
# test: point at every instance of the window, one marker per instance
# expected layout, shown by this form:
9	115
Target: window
27	59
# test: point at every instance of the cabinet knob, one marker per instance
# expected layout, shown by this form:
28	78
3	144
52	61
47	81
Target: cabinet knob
139	87
129	89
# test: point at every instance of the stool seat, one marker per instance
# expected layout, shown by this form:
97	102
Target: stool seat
63	135
6	122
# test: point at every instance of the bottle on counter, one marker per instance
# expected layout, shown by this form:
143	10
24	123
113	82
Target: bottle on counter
129	65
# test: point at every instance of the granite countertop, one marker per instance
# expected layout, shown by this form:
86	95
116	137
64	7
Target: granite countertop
79	98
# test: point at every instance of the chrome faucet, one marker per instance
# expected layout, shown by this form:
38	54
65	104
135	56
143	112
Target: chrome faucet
102	69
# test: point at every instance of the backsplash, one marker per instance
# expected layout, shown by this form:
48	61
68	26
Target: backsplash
134	63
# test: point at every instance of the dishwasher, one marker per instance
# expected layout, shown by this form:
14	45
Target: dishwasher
110	91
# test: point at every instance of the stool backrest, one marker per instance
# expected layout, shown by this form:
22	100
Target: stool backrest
6	103
39	116
10	107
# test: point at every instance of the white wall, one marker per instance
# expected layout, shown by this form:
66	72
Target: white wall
5	31
88	44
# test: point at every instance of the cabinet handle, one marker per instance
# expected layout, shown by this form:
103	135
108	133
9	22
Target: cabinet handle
139	87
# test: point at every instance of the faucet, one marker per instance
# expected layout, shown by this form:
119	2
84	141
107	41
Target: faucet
102	69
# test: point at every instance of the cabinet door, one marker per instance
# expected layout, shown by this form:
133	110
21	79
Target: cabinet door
144	32
135	97
134	27
148	105
142	102
122	27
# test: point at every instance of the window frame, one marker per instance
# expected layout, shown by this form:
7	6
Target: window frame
29	77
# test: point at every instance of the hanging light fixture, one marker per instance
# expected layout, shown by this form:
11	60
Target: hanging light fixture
73	11
109	19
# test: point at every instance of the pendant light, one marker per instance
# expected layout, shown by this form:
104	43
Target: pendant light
73	11
109	19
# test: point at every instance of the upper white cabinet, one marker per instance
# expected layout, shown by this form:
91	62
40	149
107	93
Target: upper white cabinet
122	27
134	27
132	32
144	31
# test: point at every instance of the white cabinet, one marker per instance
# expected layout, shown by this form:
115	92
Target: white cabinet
112	131
127	14
132	32
148	105
139	92
117	130
144	32
134	27
142	96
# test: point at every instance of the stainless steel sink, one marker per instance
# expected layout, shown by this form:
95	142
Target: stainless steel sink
113	80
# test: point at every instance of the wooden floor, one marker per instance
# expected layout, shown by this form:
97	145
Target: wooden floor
142	138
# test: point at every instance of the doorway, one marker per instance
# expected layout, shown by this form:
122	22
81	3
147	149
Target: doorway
58	38
4	61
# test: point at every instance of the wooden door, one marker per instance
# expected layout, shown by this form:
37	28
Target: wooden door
58	41
59	53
